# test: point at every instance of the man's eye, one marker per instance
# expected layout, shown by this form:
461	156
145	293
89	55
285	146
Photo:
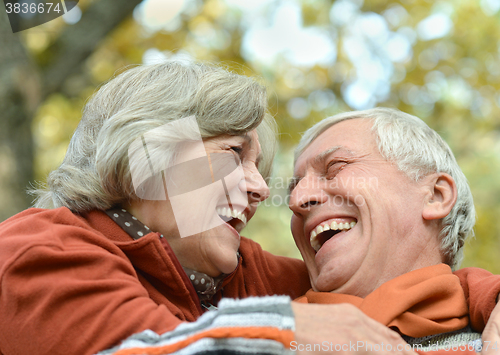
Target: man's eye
334	168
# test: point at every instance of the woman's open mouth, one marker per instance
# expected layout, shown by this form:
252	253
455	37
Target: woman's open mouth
233	217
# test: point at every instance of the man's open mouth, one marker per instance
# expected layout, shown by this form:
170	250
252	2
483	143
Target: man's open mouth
326	230
233	217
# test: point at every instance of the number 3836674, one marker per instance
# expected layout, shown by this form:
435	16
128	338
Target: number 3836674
32	8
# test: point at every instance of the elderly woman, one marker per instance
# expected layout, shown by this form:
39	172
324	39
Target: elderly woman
116	252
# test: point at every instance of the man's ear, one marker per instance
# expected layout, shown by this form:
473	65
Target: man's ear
441	197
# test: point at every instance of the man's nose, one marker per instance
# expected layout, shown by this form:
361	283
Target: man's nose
306	194
256	187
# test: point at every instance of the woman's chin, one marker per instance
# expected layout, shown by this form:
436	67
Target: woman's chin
226	263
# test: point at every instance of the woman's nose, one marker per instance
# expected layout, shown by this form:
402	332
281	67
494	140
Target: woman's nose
256	186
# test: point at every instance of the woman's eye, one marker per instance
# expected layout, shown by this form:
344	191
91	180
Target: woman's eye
237	150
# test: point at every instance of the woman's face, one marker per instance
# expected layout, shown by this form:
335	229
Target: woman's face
213	190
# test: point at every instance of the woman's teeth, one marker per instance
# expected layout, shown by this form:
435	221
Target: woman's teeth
231	213
314	240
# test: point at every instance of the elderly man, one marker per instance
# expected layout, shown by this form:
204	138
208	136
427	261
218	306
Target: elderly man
381	212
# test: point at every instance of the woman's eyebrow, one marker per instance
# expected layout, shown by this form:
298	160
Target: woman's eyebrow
247	138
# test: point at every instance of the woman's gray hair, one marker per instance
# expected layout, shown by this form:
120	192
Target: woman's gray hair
417	150
95	173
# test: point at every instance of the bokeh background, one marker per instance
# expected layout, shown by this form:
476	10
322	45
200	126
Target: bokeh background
439	60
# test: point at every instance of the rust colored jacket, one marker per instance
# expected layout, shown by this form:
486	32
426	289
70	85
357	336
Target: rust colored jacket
78	284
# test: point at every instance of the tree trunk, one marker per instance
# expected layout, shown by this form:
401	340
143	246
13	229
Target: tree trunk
19	96
23	86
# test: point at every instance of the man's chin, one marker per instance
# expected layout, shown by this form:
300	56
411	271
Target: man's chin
323	287
328	281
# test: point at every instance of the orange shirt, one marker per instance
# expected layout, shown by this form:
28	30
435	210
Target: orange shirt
73	284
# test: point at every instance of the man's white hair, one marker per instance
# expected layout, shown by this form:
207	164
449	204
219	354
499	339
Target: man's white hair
417	150
95	173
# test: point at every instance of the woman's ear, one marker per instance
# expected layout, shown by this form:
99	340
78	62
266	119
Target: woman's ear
441	197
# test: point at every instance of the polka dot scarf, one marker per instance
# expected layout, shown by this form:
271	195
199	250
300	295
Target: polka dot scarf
205	286
130	224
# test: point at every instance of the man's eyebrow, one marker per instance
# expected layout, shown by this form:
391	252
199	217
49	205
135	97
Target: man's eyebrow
321	157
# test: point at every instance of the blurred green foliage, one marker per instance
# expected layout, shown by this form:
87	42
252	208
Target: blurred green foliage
452	82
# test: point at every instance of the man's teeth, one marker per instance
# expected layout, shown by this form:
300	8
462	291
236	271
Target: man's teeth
231	213
315	243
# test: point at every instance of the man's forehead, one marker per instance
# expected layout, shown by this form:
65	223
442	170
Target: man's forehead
348	136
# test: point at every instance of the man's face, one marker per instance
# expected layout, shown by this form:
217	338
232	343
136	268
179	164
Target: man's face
342	181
